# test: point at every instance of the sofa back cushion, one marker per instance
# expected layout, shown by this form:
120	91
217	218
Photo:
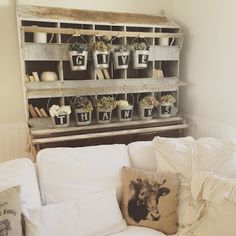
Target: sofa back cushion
70	173
142	155
96	214
21	172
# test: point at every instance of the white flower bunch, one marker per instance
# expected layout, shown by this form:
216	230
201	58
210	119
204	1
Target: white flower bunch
122	104
56	110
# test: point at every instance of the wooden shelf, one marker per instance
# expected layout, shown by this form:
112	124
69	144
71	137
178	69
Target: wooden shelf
95	87
59	52
122	28
40	136
32	29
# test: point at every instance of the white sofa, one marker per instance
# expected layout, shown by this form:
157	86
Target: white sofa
68	174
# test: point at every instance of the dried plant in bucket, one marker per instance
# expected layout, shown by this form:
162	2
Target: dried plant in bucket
125	110
78	54
140	54
166	105
101	53
60	115
83	110
146	106
104	107
121	57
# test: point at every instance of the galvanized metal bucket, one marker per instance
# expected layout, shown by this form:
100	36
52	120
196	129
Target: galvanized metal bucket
82	117
120	60
104	116
101	59
165	110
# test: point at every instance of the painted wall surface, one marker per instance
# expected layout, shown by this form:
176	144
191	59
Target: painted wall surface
208	62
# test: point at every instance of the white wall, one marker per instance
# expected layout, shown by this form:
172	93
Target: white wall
11	94
208	65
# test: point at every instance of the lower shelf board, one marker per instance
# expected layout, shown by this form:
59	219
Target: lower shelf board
60	135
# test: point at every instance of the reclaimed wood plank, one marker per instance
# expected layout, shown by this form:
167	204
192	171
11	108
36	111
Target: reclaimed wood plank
93	32
48	131
59	52
107	134
96	87
56	13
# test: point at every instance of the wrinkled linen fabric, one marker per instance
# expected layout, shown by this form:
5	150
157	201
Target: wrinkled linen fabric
197	161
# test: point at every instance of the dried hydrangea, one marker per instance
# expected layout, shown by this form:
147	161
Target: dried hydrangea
148	101
80	47
105	103
122	104
140	46
83	103
101	46
168	99
56	110
122	48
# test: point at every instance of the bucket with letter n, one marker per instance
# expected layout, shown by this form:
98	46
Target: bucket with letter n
140	53
125	109
78	54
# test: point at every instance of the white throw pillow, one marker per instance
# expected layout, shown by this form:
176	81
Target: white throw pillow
175	155
67	174
94	215
207	167
220	215
21	172
142	155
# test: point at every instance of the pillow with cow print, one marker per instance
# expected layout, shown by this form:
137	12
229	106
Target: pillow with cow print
150	199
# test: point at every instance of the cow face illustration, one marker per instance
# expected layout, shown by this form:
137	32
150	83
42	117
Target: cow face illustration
143	204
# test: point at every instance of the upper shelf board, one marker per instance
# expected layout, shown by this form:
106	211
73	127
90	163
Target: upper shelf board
88	16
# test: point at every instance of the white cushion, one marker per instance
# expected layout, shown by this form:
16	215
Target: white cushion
142	155
69	173
21	172
207	170
220	214
96	214
139	231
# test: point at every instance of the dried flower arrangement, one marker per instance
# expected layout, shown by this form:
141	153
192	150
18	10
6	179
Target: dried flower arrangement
148	101
83	103
105	103
122	104
167	99
79	47
56	110
140	46
101	46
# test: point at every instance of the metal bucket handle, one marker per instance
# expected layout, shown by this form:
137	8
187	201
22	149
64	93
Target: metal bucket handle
49	99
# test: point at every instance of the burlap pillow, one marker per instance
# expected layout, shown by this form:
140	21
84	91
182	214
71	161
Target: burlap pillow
10	212
150	199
